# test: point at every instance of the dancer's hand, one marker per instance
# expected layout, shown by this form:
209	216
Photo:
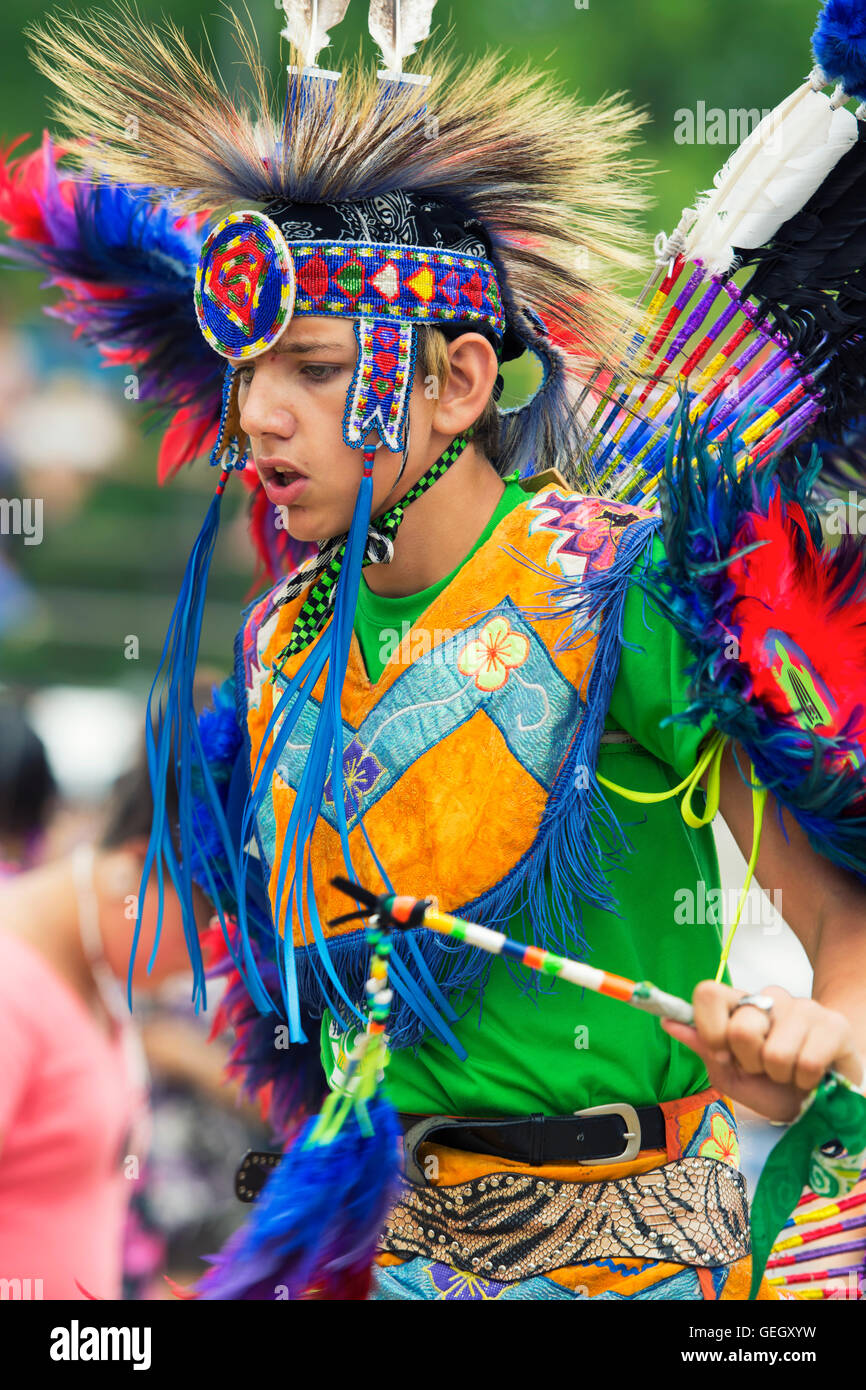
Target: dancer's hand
769	1062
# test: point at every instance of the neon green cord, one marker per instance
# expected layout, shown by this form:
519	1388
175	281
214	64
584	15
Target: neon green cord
759	801
710	758
371	1058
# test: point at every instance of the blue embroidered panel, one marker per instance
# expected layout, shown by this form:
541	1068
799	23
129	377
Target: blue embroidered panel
536	710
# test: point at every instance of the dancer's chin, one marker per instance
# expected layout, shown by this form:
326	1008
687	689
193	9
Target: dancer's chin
295	521
306	524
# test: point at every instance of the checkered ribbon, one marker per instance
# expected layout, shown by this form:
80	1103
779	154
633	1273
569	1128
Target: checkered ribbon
323	570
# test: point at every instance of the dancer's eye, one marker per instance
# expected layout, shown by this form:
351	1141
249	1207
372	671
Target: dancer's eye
320	371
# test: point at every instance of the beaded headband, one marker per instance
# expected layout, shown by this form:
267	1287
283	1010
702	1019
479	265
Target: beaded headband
250	283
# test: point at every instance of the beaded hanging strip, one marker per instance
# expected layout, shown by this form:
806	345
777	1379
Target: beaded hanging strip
227	452
325	570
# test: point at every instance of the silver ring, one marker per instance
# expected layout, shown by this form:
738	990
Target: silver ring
757	1001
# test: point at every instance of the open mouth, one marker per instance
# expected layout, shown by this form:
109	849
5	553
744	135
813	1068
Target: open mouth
282	483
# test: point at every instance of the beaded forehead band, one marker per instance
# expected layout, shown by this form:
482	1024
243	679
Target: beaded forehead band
250	283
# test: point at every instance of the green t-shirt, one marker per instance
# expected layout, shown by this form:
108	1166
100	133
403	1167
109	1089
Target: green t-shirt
567	1049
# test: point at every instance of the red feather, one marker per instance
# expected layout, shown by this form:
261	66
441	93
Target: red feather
801	625
189	435
178	1289
22	186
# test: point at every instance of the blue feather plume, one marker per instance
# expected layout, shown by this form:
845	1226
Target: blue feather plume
839	44
314	1229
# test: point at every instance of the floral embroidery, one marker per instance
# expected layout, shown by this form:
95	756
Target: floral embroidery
722	1144
495	652
454	1284
361	772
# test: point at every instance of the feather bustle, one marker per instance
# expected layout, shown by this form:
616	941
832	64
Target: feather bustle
712	591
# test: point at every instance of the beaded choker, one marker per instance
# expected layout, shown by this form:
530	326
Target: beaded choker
324	569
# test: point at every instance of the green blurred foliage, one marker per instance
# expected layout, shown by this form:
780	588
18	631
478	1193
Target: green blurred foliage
131	539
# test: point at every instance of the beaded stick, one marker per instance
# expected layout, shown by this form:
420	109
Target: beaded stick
851	1223
424	912
832	1209
796	1257
815	1275
631	430
807	1293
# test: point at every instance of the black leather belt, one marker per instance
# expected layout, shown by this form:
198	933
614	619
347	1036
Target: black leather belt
603	1134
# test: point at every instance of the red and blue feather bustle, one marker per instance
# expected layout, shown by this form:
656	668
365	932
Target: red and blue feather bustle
775	621
125	261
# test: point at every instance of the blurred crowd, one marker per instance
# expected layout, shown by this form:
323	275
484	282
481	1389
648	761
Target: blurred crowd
119	1136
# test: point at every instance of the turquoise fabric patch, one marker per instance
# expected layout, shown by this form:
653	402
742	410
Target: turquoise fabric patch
429	1280
536	710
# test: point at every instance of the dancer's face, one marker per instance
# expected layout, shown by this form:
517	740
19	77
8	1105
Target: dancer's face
292	401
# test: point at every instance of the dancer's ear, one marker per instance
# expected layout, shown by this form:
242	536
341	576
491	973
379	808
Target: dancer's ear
471	377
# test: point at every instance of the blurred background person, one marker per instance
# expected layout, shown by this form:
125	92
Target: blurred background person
145	1164
73	1086
27	792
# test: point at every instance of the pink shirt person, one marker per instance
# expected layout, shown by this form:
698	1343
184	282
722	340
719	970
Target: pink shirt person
66	1108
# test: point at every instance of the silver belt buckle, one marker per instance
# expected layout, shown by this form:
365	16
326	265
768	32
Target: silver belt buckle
632	1134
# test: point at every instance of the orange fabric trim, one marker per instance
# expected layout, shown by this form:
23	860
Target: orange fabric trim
455	1166
699	1101
628	1279
739	1282
675	1111
385	1258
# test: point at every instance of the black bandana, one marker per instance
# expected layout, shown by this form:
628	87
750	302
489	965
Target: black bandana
399	218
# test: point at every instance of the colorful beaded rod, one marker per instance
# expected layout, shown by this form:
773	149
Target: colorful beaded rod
857	1199
406	913
751	367
820	1249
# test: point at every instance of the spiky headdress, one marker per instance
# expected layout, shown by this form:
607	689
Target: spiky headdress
548	179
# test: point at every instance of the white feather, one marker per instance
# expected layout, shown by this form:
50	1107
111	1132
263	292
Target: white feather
398	26
789	187
308	22
770	176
